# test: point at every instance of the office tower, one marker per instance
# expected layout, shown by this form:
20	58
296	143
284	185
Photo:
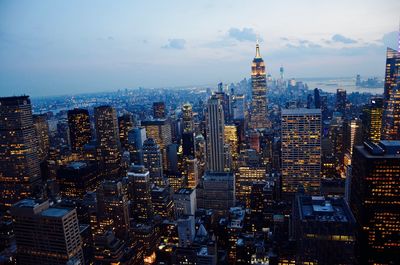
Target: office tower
160	131
76	178
42	133
186	230
147	237
136	138
125	124
317	99
239	107
352	134
259	102
358	80
262	197
187	118
245	178
375	199
372	120
46	235
236	219
185	202
341	101
140	193
216	191
391	96
79	128
231	138
224	101
188	145
172	157
301	149
323	228
324	107
113	208
107	134
62	135
254	140
192	172
215	136
152	160
162	202
19	161
159	110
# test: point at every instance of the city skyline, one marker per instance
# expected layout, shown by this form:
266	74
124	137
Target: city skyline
97	48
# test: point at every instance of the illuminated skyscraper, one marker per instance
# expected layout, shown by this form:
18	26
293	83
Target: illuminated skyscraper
79	128
46	235
215	136
372	120
108	138
125	124
301	149
231	138
375	200
140	193
42	134
152	160
238	107
19	161
245	178
187	118
258	114
391	114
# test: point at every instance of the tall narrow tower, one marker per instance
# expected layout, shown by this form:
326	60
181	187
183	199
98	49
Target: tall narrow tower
258	110
215	135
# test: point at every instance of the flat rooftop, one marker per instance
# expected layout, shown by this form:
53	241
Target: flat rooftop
321	209
301	111
55	212
184	191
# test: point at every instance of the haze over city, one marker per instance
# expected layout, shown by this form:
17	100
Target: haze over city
67	47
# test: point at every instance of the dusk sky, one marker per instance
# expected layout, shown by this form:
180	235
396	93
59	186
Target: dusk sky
64	47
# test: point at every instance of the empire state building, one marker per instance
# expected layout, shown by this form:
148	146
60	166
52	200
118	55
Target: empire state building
258	108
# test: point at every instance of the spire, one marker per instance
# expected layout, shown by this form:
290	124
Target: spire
258	55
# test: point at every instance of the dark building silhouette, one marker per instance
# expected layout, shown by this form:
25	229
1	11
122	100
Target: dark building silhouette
159	110
375	199
79	128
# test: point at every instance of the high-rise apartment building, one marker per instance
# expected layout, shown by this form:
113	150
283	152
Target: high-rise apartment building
19	160
301	149
79	128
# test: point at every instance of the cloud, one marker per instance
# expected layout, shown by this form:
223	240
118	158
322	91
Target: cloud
110	38
246	34
342	39
390	39
177	44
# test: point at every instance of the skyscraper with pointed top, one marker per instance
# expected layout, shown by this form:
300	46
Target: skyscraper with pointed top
258	108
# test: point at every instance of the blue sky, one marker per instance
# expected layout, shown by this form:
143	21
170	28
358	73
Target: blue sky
57	47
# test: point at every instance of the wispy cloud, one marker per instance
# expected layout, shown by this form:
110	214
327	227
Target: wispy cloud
342	39
245	34
177	44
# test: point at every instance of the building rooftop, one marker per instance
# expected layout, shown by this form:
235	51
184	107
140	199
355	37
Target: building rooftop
184	191
301	111
384	149
321	209
55	212
77	165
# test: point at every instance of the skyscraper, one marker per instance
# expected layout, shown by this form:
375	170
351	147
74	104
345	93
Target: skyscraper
301	149
46	235
258	114
372	120
159	110
187	118
125	124
108	138
317	99
375	199
152	160
391	96
19	161
215	136
341	101
42	133
79	128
